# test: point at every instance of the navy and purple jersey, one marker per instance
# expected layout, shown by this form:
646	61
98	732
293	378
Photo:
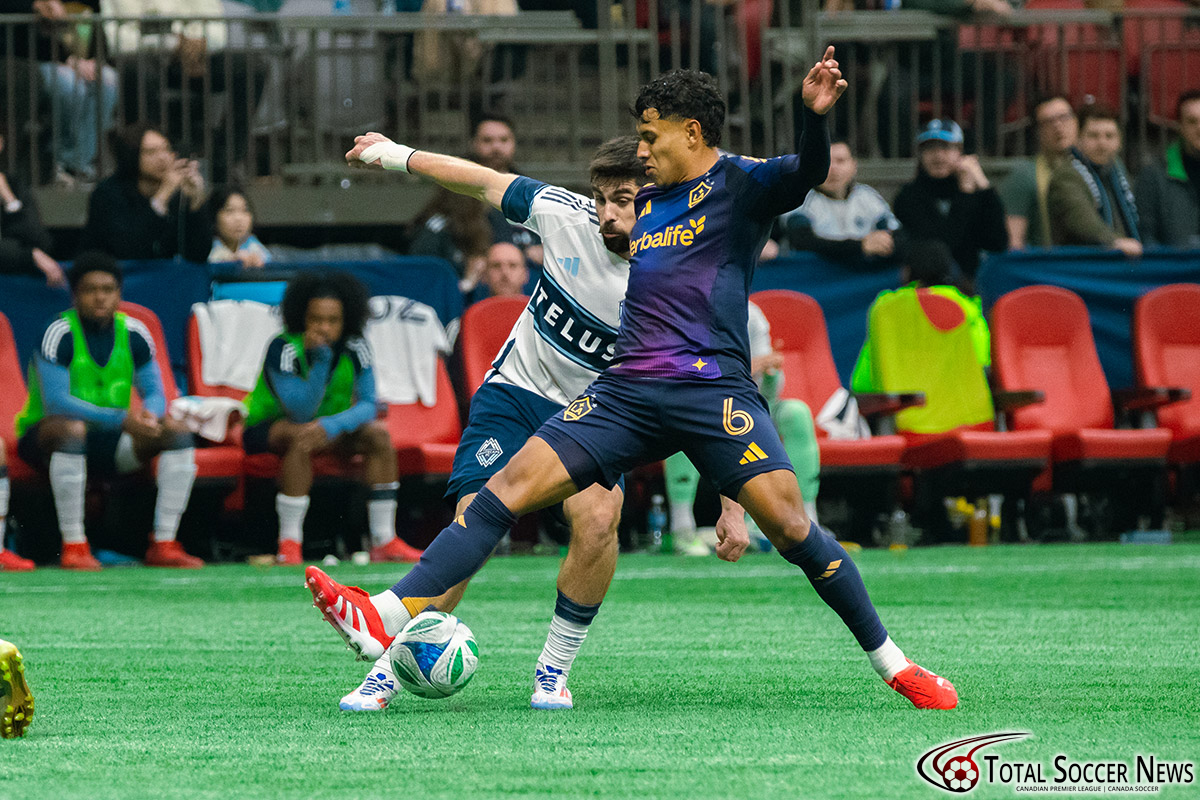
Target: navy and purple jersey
694	249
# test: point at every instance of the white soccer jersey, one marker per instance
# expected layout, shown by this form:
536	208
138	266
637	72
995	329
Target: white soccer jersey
567	334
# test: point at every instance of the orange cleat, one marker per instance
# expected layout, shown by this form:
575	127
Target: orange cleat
171	554
11	562
78	557
351	613
395	550
923	688
16	701
289	554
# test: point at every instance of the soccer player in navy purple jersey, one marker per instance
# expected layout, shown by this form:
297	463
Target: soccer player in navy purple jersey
680	377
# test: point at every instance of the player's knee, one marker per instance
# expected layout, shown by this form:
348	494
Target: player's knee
784	524
67	434
376	438
595	527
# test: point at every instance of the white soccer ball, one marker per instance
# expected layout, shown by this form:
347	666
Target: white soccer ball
435	655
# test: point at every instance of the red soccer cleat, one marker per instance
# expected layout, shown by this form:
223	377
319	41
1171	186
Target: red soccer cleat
11	562
289	554
923	688
171	554
79	557
350	611
395	550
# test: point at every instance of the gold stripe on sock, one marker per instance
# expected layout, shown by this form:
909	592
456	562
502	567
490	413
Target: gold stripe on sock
416	605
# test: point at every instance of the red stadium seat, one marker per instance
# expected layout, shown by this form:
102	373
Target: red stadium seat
218	461
1166	351
1162	44
1042	341
1079	60
798	329
12	400
485	328
426	438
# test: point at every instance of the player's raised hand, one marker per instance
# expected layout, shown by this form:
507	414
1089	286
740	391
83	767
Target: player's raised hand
824	84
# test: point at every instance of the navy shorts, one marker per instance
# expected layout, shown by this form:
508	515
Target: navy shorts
622	422
100	446
501	420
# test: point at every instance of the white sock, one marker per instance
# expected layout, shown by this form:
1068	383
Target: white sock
176	474
682	519
68	479
562	644
887	660
392	612
4	490
381	513
291	512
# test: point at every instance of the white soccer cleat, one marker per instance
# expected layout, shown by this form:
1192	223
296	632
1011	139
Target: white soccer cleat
373	694
550	689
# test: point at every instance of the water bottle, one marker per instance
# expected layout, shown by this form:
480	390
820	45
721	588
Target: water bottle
656	523
342	7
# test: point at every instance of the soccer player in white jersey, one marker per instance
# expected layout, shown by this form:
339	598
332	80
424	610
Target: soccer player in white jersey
563	340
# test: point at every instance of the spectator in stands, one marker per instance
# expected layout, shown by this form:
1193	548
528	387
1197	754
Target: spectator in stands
951	199
153	206
72	77
1024	190
1090	199
454	227
316	394
23	238
164	54
504	275
494	145
1168	196
842	219
9	561
233	229
79	417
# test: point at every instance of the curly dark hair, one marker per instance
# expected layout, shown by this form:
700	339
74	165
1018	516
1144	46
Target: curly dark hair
343	287
616	161
685	94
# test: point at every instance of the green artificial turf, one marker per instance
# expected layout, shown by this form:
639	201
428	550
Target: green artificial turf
699	679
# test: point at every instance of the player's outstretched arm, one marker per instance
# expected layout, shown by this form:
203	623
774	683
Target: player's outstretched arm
456	174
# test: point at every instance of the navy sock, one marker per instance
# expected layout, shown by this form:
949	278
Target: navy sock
838	583
571	611
459	550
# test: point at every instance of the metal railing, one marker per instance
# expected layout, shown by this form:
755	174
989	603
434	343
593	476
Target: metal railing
281	96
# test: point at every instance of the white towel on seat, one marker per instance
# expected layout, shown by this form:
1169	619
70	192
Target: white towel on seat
406	340
234	335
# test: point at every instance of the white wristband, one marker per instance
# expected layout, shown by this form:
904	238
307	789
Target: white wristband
389	154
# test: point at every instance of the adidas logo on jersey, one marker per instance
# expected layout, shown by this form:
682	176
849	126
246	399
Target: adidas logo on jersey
682	235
